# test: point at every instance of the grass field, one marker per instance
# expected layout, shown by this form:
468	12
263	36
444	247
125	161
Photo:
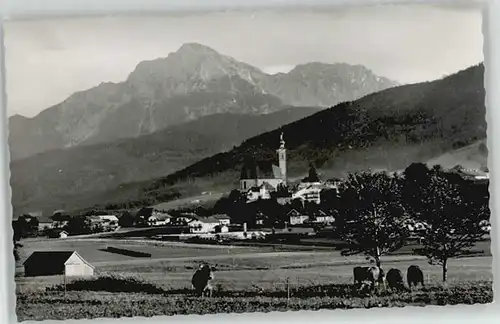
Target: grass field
239	269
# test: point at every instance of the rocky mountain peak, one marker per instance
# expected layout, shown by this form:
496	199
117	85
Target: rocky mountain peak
195	48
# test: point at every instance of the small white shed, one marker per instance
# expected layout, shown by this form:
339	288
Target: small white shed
47	263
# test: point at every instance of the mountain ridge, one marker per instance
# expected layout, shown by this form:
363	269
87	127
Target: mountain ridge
64	174
192	82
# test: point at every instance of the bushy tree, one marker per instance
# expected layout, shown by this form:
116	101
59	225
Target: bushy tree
313	174
25	226
78	225
281	191
126	220
452	208
15	238
374	214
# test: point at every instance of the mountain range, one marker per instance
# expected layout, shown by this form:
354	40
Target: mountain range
442	120
193	82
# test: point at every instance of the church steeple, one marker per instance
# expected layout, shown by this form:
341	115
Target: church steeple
282	159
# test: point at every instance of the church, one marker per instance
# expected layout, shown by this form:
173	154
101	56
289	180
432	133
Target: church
261	174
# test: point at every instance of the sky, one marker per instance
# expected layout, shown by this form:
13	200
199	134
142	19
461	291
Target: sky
48	60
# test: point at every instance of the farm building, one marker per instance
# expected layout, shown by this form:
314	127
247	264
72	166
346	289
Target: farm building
63	234
49	263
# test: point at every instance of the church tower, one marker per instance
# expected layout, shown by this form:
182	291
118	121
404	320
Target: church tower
282	159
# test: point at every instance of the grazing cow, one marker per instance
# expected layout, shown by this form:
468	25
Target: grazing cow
373	275
395	279
201	280
414	276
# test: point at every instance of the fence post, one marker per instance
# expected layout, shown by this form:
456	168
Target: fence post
287	289
64	281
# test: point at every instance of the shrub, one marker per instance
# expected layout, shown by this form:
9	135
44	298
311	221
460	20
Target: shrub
110	283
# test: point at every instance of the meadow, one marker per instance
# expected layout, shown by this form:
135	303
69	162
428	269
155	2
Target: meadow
246	279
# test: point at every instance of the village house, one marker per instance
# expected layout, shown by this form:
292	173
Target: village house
159	219
184	218
260	218
49	263
209	224
108	218
297	218
261	192
221	229
203	225
222	218
45	224
63	234
95	222
109	222
152	216
309	191
320	216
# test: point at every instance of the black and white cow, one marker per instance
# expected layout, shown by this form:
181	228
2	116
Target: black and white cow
201	280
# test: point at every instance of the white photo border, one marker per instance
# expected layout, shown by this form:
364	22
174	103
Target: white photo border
25	9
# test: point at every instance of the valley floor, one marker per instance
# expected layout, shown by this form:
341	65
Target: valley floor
247	279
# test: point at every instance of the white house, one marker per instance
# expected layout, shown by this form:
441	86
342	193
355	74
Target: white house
159	219
44	224
321	217
203	225
222	218
261	192
296	218
221	229
63	234
209	224
184	218
309	191
108	218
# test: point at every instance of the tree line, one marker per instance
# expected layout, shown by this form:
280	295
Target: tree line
377	209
